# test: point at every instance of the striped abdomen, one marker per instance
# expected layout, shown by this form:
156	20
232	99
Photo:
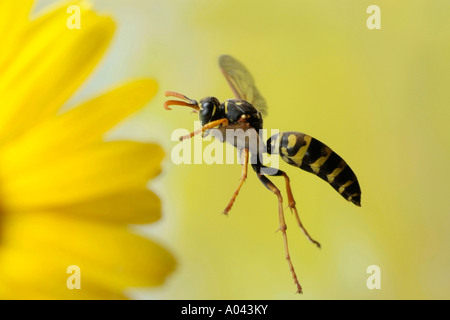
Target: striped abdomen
309	154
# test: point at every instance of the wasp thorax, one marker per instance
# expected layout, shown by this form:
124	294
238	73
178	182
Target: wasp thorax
209	110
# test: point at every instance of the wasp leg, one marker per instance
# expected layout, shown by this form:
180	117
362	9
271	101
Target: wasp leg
269	185
292	203
245	153
294	210
207	126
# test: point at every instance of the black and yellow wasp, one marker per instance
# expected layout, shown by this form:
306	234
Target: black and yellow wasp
246	112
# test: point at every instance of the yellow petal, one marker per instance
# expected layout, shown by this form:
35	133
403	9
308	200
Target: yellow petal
136	206
104	169
13	14
77	128
52	63
13	19
39	247
49	280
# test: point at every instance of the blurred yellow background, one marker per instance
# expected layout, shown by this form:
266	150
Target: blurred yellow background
379	98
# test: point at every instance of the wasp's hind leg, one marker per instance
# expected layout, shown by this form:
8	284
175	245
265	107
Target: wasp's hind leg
244	157
292	202
269	185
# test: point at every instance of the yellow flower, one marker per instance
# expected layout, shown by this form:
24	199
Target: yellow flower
67	197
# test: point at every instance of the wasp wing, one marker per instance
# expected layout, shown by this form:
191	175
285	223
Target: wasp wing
242	83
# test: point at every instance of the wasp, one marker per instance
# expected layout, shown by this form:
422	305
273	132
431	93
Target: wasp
246	112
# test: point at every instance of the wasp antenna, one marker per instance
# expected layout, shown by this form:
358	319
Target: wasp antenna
179	96
180	103
187	101
175	94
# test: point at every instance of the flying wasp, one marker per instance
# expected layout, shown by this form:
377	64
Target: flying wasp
246	112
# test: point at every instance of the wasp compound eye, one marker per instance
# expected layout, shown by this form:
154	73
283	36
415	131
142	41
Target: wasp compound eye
207	111
207	107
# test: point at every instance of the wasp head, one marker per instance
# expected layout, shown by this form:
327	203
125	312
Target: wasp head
209	110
